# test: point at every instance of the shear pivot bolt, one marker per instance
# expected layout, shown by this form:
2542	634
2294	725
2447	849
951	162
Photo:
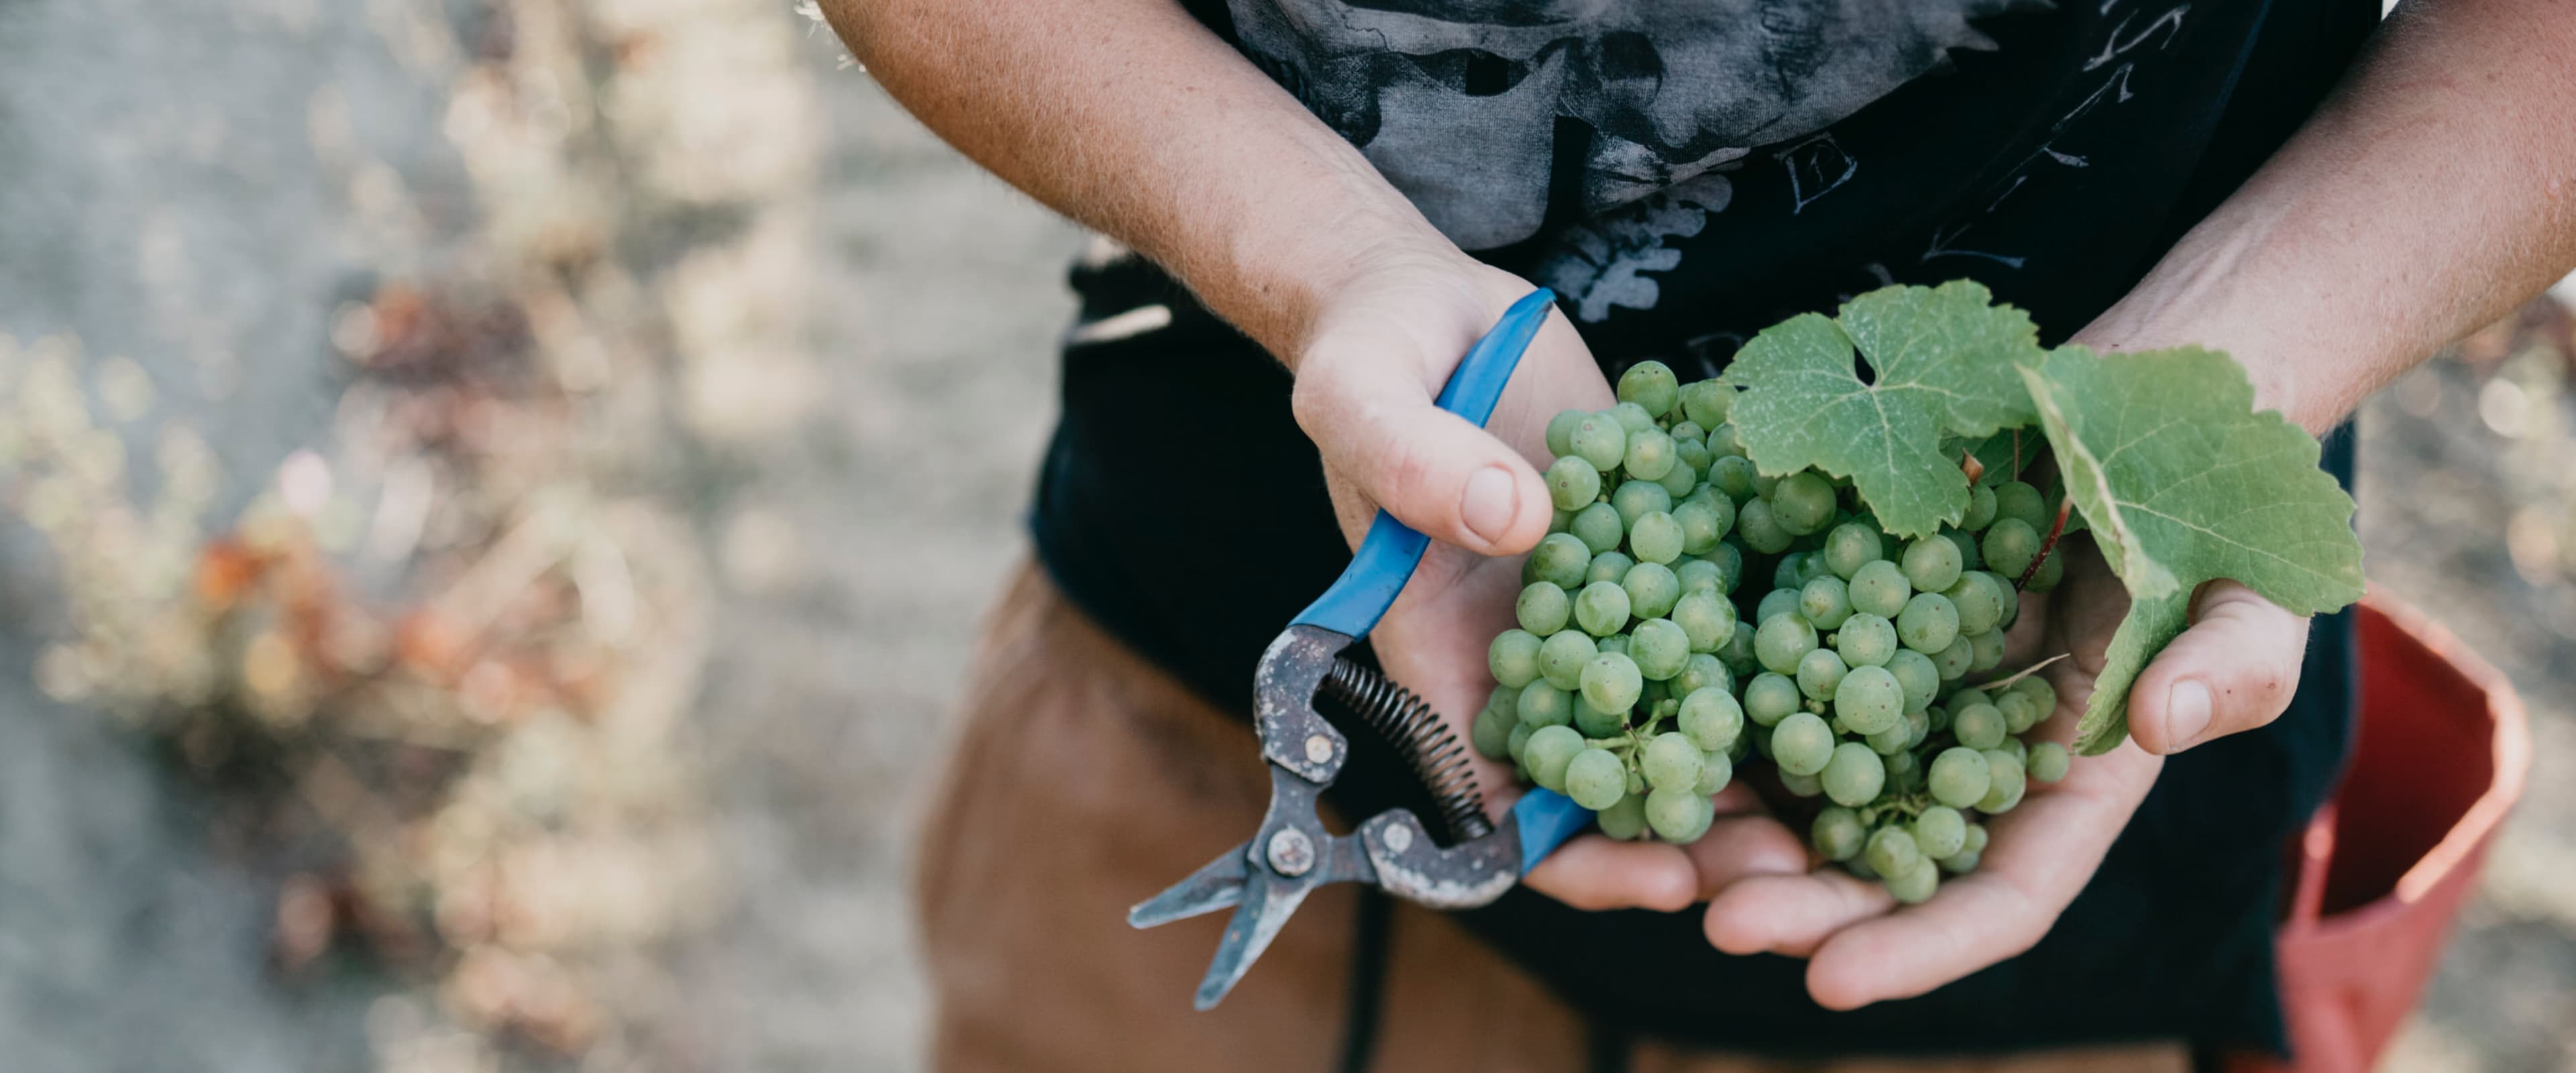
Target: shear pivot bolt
1291	852
1399	838
1318	749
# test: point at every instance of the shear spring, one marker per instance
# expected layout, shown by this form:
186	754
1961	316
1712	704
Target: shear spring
1427	743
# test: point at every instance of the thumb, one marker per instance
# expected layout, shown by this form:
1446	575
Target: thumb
1451	480
2233	670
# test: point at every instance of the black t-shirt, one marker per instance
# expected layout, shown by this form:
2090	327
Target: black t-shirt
1684	173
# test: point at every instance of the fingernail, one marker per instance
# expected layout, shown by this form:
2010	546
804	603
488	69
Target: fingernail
2186	714
1487	506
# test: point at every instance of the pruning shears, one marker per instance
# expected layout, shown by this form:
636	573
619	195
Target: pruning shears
1267	877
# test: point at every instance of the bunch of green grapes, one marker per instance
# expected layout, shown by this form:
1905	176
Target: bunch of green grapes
1618	687
1866	644
1642	671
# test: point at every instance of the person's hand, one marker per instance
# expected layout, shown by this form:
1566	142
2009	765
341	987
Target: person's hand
2233	670
1367	371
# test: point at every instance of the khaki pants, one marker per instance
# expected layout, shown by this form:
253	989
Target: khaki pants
1084	781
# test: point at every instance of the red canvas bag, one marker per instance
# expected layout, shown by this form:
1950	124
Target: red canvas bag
2439	758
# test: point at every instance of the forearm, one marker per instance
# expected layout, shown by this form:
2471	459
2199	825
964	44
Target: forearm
2433	192
1133	119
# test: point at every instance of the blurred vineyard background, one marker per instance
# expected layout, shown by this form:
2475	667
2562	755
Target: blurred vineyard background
494	495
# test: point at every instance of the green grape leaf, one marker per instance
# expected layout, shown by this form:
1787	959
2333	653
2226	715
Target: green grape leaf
1942	364
2182	483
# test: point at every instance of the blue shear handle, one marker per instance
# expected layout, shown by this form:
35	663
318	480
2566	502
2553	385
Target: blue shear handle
1388	555
1546	819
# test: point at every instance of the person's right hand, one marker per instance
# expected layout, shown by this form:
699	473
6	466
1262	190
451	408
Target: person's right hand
1368	369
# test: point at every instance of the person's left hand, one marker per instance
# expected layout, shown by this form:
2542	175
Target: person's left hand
2233	670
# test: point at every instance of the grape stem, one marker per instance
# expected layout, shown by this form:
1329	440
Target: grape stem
2026	671
2056	529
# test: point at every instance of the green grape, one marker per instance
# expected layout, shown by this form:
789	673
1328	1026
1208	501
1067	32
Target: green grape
1611	682
1866	640
1929	623
1601	608
2047	762
1706	402
1599	527
1802	785
2040	692
1915	674
1891	851
1976	838
1895	739
1703	671
1915	885
1731	474
1782	640
1561	657
2051	571
1963	696
1802	744
1707	618
1932	564
1730	565
1650	384
1722	440
1700	575
1670	761
1659	647
2022	503
1636	499
1518	743
1859	866
1560	431
1678	482
1650	454
2019	712
1819	672
1610	566
2010	546
1690	451
1967	545
1981	509
1771	697
1711	718
1853	776
1595	723
1953	662
1803	502
1878	587
1851	545
1625	820
1704	522
1656	537
1738	653
2005	785
1785	573
1542	608
1837	834
1632	418
1542	704
1652	589
2011	600
1548	751
1716	769
1687	431
1572	483
1940	831
1657	690
1825	602
1557	520
1492	733
1918	726
1978	726
1980	605
1596	779
1960	865
2019	751
1868	700
1598	439
1513	657
1560	560
1988	650
1760	530
1678	815
1810	567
